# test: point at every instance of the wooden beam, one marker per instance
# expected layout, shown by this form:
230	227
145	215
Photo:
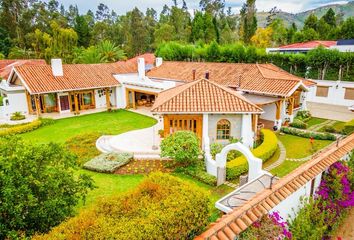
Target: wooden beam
38	107
29	103
291	105
278	111
166	125
76	99
108	100
133	97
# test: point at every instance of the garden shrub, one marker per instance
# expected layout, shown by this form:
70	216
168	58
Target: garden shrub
161	207
348	128
271	226
198	172
297	123
17	116
303	115
308	134
182	147
40	187
108	162
217	147
320	216
84	146
18	129
328	129
264	151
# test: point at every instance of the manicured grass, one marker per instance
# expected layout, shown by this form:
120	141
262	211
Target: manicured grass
338	126
285	168
315	121
298	147
104	123
273	159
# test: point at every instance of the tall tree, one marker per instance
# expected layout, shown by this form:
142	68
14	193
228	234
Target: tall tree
213	7
248	21
83	31
330	17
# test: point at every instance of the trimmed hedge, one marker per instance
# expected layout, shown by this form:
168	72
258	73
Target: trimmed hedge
198	172
303	115
297	123
161	207
308	134
266	150
108	162
27	127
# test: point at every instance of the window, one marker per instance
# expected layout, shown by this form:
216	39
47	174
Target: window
349	94
223	129
322	91
87	98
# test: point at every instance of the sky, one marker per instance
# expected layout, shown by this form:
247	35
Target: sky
122	6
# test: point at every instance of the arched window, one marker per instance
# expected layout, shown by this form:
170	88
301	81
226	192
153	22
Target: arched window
223	129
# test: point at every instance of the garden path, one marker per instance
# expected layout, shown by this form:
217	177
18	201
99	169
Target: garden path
143	143
319	126
281	158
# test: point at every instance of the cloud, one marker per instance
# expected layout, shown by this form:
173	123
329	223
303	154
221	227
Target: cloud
122	6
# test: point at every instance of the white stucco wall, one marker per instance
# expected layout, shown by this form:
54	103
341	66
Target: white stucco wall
101	101
289	207
236	125
269	112
17	102
336	93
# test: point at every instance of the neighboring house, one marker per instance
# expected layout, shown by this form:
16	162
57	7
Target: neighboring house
301	47
279	93
209	110
332	100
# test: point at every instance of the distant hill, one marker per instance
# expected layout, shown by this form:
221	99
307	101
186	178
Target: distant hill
299	18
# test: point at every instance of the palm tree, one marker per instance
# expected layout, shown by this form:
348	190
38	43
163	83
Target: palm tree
90	55
110	51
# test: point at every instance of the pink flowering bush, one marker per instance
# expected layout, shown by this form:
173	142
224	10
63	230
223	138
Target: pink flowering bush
320	216
271	226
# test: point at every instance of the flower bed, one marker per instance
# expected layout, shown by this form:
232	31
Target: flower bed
108	162
265	151
308	134
143	167
9	130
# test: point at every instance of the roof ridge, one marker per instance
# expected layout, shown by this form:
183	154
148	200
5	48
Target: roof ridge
234	93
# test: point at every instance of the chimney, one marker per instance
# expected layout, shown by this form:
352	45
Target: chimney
57	67
207	75
141	68
194	74
159	62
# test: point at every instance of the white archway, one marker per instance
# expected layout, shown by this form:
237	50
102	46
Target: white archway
254	164
217	167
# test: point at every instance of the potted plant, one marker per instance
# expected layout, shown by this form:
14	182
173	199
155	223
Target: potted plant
162	133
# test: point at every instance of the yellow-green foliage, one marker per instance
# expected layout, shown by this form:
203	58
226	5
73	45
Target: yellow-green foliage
349	127
263	151
21	128
161	207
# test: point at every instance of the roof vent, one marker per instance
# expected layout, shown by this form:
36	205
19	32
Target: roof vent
194	72
207	75
57	67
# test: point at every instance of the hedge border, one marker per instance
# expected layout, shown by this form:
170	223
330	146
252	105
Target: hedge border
308	134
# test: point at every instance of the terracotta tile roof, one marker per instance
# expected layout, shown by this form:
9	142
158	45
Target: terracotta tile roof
39	79
258	78
202	96
149	58
7	65
232	224
310	44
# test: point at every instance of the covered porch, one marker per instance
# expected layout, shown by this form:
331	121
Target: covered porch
136	98
68	103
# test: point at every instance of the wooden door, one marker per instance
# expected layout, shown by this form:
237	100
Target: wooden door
64	103
174	123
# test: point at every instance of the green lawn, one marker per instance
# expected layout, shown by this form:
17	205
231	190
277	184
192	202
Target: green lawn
285	168
298	147
315	121
110	123
338	126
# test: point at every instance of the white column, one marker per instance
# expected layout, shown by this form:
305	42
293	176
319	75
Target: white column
205	128
246	130
304	97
